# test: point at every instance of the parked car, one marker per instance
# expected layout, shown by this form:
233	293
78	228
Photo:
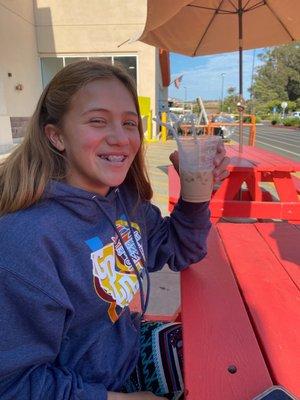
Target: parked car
224	131
296	114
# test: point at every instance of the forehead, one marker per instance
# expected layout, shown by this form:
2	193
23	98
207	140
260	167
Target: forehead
103	93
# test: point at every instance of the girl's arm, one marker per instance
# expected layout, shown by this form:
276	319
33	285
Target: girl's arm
178	240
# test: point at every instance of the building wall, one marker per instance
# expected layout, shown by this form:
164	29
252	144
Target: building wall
97	27
33	29
18	50
161	91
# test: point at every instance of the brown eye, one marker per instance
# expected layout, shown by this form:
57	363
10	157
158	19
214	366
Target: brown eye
98	121
130	123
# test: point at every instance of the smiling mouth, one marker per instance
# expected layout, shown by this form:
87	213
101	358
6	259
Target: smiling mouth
114	159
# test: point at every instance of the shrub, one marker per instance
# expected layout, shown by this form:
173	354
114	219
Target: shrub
247	120
290	121
287	122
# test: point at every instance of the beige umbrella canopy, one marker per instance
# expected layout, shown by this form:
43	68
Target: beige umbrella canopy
203	27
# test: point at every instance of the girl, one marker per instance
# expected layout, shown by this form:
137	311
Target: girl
78	236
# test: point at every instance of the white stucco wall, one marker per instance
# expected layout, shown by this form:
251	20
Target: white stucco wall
97	27
30	29
18	56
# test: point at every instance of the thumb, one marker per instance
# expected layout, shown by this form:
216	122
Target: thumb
174	158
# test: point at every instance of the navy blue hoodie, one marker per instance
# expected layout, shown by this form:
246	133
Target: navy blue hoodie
66	331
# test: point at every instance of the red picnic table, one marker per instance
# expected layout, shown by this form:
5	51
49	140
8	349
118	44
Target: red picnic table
240	310
242	194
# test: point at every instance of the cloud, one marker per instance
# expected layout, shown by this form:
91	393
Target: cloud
202	75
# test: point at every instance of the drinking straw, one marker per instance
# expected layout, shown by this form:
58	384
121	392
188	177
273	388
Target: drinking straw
193	128
169	126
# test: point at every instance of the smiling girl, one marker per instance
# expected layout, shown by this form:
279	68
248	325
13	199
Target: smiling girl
78	237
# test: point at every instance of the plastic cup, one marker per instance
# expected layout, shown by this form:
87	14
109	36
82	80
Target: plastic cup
196	155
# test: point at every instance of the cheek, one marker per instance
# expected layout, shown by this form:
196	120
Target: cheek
86	141
135	143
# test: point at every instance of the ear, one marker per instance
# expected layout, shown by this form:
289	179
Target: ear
53	134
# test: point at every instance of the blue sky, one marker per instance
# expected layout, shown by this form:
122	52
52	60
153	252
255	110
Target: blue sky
202	74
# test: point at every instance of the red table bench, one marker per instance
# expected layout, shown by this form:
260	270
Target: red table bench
241	195
240	310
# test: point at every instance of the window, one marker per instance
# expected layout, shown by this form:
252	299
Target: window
51	65
70	60
129	63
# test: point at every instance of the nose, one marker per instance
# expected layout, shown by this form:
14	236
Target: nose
117	136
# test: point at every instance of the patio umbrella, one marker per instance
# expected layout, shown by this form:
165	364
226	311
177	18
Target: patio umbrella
202	27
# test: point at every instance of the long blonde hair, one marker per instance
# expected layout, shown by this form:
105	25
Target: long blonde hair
25	173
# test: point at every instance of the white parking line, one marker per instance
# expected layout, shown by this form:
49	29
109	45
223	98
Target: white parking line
286	140
278	136
280	141
279	148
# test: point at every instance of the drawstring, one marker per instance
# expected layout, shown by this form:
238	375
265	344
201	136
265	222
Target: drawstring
139	250
144	303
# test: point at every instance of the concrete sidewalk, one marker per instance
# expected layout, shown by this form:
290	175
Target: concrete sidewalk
165	290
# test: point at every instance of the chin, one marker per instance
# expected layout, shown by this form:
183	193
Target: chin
115	182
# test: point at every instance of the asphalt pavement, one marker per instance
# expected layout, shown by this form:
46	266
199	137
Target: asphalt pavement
282	140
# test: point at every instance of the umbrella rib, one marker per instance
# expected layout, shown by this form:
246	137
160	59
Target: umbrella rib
233	5
208	25
279	20
247	3
257	5
220	11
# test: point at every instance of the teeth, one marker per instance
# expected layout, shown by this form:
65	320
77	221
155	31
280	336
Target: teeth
114	158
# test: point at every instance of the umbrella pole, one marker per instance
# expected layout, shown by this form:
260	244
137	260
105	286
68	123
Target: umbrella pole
240	104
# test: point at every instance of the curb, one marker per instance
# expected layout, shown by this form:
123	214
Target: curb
283	126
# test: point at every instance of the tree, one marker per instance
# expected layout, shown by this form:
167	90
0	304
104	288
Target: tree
278	79
231	100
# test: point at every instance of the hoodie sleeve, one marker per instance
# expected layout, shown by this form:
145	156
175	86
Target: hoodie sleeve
178	240
31	333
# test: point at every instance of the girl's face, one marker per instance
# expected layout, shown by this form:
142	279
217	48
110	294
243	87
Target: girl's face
99	136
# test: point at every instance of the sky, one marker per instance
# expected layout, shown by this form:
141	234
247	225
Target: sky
202	75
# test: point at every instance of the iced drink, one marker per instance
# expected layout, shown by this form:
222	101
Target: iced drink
196	155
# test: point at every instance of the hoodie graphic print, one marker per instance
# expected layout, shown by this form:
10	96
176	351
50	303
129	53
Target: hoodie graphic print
115	280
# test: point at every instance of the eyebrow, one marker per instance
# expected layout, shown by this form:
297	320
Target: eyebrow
108	111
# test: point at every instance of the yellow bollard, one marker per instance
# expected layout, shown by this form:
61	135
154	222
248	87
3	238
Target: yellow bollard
163	128
149	126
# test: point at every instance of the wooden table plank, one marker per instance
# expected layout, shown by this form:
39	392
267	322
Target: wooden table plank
274	157
253	157
256	209
284	241
285	186
263	159
272	299
217	333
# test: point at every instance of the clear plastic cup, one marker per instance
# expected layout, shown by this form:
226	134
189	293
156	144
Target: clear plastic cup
196	155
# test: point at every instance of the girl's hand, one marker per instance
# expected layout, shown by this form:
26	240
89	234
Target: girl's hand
221	163
132	396
175	160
